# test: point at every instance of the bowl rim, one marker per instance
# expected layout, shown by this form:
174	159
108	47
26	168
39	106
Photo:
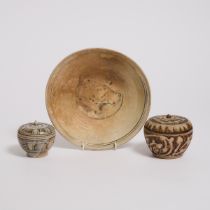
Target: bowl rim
128	136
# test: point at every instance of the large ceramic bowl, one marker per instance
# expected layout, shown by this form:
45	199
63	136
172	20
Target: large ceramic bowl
98	98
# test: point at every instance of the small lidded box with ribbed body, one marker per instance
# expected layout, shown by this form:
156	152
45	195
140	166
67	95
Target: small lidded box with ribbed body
36	138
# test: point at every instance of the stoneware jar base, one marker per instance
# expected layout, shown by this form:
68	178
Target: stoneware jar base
36	155
167	157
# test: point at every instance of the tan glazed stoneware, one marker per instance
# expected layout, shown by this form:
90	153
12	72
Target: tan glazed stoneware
36	138
98	98
168	136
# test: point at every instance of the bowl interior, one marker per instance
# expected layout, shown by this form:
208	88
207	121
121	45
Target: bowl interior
96	97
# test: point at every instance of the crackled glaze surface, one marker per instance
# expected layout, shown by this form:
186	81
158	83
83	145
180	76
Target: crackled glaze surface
98	98
168	136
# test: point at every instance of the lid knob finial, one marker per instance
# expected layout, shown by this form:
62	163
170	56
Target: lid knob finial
168	116
35	122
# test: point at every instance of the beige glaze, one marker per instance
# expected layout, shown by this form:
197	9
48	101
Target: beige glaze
98	98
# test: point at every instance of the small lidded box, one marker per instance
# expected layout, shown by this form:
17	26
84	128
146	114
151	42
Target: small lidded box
36	138
168	136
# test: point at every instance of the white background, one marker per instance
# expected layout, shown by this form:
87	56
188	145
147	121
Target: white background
170	40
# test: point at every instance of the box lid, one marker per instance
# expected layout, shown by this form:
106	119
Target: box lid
36	129
168	124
